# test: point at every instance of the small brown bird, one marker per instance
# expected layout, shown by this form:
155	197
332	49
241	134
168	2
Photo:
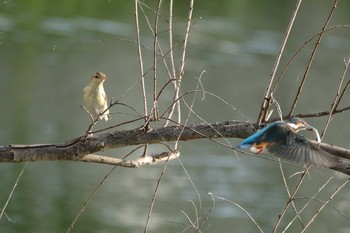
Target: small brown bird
95	99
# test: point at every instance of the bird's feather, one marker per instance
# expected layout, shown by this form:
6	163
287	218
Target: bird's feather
279	140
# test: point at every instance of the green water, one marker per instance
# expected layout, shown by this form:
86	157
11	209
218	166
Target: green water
49	49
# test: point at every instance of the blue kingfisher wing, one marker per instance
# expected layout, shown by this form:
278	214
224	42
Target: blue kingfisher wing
258	137
299	149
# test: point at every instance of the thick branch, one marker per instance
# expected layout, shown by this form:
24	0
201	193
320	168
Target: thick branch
81	149
77	148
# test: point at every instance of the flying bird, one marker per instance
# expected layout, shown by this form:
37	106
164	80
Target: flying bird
281	139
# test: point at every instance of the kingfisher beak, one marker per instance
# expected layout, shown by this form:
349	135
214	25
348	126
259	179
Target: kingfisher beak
304	126
309	127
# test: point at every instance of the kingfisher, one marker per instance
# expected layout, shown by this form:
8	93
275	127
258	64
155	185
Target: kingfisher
280	138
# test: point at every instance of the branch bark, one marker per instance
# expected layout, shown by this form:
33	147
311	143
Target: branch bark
82	149
76	149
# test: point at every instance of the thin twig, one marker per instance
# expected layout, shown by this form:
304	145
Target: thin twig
241	208
325	204
278	107
87	202
192	183
184	49
173	70
208	213
344	89
342	93
193	224
177	83
297	213
213	95
336	98
190	108
139	51
154	196
118	125
313	53
290	199
307	204
266	101
155	46
12	191
301	48
320	114
171	45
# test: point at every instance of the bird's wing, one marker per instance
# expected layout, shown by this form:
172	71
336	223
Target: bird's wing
300	149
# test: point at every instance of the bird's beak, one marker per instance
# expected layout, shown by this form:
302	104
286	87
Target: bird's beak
309	127
304	126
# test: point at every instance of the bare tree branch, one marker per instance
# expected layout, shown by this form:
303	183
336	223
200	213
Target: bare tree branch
268	92
81	148
312	56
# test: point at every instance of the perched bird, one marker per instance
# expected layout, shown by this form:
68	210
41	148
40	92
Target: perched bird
95	99
281	139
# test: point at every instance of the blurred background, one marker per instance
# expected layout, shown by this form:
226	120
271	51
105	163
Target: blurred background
49	50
